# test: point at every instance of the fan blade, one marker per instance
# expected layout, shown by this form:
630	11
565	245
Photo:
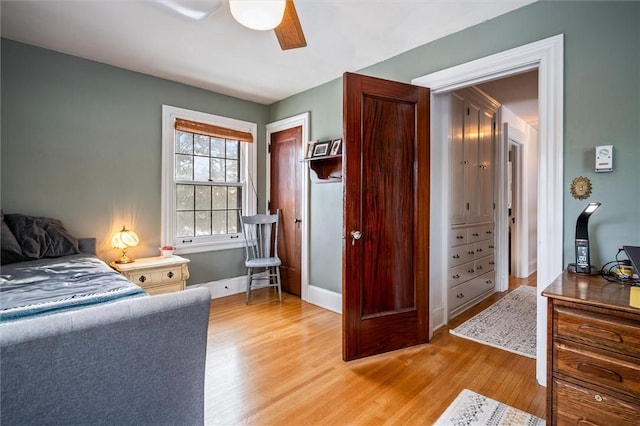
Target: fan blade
289	32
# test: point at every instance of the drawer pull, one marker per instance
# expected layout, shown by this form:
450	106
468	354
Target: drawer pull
456	276
460	296
601	333
470	252
598	398
471	271
479	268
142	278
596	370
170	274
479	250
456	256
475	234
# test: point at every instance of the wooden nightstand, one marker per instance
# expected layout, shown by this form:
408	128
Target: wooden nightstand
156	275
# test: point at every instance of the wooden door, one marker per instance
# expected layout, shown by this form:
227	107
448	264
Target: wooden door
286	178
386	216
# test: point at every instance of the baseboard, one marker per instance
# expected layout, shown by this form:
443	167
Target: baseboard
226	287
326	299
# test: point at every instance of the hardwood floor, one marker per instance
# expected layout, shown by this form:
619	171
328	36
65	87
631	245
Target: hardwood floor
272	363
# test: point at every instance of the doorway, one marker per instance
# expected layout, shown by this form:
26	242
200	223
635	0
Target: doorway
547	57
286	189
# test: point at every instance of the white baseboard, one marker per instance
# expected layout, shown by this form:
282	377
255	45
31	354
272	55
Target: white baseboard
326	299
226	287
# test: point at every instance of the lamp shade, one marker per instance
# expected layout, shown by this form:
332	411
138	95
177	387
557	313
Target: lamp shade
258	14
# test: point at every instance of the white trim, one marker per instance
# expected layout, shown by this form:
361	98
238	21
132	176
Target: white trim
277	126
224	288
324	298
547	56
168	201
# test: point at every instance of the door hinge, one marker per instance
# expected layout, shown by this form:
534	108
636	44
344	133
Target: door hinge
269	148
468	111
268	205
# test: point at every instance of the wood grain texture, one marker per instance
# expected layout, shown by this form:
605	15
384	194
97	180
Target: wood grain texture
280	364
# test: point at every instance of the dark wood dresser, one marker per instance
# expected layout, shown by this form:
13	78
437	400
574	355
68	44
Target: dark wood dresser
593	352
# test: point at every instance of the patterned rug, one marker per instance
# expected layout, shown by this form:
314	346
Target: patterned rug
470	408
508	324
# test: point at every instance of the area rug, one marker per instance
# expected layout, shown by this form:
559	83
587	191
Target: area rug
470	408
508	324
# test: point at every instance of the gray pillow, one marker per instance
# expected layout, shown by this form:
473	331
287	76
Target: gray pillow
10	249
40	237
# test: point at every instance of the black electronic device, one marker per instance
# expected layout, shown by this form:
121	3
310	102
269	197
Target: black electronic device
583	258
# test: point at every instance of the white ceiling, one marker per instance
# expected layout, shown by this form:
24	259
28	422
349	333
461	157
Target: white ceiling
218	54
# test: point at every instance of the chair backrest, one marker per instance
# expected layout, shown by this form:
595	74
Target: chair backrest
261	235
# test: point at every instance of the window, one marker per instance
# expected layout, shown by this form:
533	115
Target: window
207	166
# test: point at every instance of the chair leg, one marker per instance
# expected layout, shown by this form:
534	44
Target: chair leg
278	282
249	275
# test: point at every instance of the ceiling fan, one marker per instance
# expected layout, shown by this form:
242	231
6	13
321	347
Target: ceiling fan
279	15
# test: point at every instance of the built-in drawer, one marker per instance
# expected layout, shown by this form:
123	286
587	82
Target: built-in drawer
461	254
576	405
457	236
486	264
605	369
461	273
488	231
474	233
483	248
603	331
469	290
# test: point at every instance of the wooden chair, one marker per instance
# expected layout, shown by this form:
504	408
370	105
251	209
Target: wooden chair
261	242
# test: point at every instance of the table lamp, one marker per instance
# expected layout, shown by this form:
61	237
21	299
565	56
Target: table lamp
122	240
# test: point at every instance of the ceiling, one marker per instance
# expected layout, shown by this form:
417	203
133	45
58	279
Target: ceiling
218	54
519	93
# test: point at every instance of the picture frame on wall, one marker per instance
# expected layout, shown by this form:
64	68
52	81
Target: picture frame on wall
336	147
321	149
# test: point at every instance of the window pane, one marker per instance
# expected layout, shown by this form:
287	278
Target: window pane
233	149
203	223
219	225
203	198
234	221
201	169
219	201
184	167
217	170
232	171
201	145
184	197
184	225
217	147
234	198
184	143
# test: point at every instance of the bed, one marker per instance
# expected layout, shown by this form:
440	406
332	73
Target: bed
80	344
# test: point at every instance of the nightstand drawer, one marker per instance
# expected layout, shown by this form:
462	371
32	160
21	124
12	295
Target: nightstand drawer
607	332
602	368
164	288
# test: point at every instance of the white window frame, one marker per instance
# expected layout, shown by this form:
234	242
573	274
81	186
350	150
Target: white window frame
248	153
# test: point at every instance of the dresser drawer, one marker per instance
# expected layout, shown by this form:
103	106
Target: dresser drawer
469	290
604	331
576	405
605	369
461	273
457	236
164	288
461	254
483	248
475	233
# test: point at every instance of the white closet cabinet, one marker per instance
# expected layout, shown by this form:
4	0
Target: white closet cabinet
471	238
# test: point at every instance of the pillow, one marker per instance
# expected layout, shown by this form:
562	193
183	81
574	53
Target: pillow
41	236
10	249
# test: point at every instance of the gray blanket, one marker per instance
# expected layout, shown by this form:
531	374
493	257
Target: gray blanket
52	285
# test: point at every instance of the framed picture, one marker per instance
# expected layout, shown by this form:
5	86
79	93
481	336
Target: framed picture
310	145
321	149
336	147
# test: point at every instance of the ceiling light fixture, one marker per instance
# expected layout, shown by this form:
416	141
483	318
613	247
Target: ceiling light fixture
258	14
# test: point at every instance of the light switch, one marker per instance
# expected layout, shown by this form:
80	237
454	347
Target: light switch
604	158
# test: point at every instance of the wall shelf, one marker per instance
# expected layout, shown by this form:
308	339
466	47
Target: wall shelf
325	169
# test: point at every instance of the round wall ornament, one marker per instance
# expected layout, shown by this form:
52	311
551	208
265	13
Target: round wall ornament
581	188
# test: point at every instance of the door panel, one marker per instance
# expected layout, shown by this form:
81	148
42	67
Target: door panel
386	200
285	195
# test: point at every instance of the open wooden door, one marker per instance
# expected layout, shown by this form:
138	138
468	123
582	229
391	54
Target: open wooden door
386	216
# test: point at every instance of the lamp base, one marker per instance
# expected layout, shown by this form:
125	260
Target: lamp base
124	259
571	268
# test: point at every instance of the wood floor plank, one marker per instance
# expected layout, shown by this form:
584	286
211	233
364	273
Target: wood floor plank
272	363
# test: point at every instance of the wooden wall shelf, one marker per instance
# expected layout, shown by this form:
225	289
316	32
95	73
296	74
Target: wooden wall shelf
325	169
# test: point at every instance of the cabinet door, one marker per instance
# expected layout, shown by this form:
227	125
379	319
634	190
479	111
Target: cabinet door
471	140
486	167
456	160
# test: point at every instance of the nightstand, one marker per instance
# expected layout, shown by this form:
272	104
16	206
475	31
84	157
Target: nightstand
156	275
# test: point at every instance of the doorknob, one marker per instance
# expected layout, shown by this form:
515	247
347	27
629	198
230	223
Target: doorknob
297	220
355	235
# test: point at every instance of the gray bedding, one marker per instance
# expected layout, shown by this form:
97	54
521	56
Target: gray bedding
46	286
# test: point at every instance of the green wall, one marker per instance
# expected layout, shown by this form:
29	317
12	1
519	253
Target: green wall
81	141
601	106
